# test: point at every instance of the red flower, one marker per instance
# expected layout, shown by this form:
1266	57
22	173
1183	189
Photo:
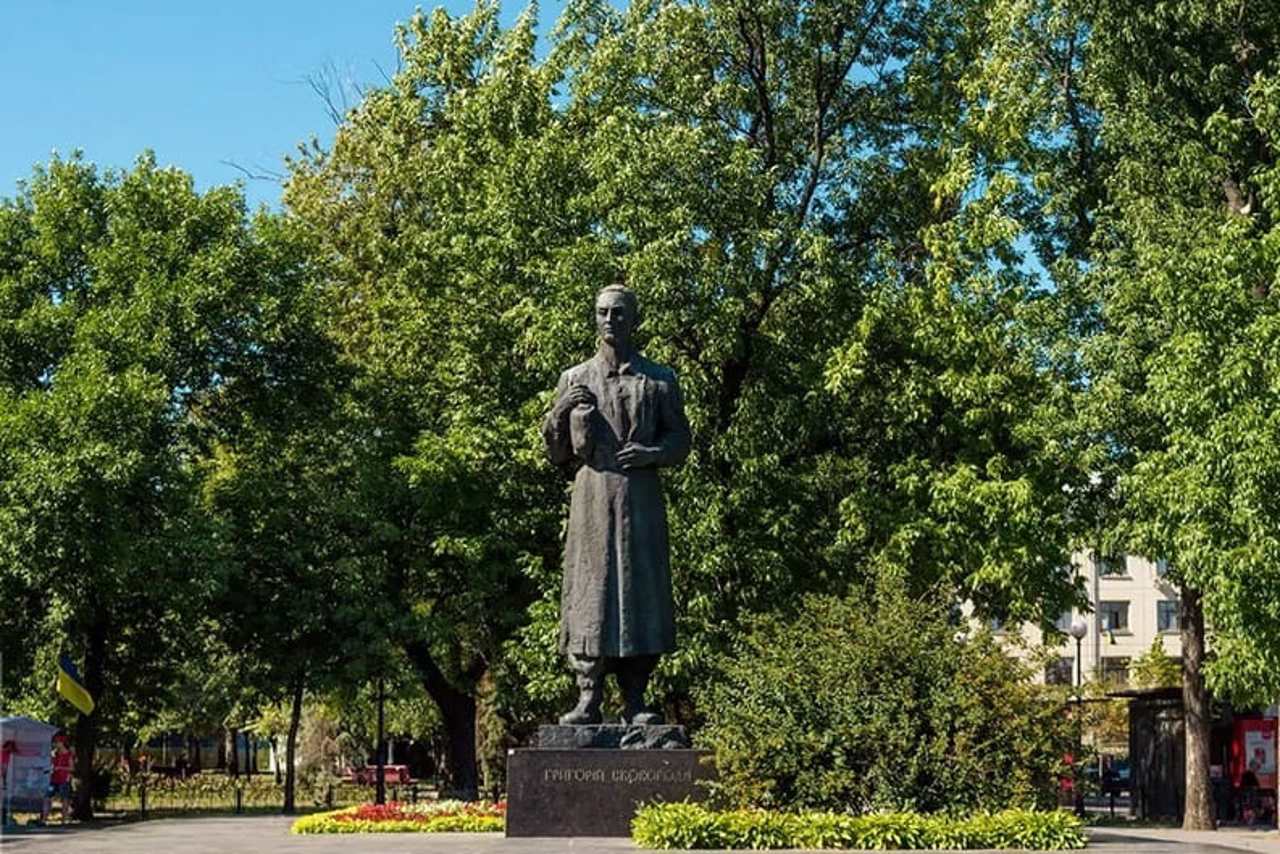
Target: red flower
374	812
396	812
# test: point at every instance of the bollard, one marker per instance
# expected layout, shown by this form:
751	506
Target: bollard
142	792
413	794
395	793
328	797
239	800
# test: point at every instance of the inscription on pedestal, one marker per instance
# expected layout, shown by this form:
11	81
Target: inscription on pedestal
596	792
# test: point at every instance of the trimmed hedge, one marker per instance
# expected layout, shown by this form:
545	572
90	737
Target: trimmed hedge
443	817
692	826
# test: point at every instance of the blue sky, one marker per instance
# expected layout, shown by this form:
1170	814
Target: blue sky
198	83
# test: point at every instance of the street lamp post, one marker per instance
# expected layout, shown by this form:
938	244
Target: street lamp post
1079	628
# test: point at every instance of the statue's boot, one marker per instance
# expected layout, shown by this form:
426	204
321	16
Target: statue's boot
590	676
633	679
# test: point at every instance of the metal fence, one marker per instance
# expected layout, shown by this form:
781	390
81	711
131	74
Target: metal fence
151	794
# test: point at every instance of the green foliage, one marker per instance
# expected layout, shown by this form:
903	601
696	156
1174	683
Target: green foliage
426	246
1105	721
120	298
685	826
1155	668
350	715
1145	138
923	270
872	703
277	481
857	347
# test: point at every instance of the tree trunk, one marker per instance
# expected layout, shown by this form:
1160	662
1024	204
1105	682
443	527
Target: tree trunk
233	751
1198	814
87	725
291	748
458	711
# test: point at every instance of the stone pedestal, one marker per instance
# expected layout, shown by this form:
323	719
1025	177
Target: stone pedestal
618	736
592	790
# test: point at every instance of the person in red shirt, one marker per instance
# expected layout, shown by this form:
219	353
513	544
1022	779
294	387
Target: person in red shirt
64	760
6	750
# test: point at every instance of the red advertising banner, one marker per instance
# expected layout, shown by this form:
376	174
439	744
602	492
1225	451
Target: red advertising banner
1254	749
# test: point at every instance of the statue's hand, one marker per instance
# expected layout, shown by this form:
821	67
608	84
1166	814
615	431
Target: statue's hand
634	456
577	395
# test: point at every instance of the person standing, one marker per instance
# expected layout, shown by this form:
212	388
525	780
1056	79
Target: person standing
64	760
7	750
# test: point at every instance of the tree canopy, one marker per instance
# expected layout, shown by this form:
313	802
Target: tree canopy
121	295
951	288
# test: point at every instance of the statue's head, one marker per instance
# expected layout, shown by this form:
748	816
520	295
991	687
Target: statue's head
617	312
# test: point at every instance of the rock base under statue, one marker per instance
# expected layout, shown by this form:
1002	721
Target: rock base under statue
612	736
593	784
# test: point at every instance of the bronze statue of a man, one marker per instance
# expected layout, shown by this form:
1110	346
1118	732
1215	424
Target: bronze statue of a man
617	418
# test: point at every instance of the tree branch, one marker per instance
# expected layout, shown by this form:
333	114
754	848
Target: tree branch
757	69
257	173
736	368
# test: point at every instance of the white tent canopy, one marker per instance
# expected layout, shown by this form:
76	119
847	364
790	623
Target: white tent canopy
27	777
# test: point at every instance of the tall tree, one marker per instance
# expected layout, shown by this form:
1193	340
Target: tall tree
279	482
119	295
412	206
1187	369
1151	144
768	177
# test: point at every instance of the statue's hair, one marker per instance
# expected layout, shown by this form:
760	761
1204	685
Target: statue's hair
629	295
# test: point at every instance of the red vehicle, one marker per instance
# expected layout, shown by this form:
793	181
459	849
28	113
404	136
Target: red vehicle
393	775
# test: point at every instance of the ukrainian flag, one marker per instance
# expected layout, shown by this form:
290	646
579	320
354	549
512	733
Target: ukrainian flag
72	687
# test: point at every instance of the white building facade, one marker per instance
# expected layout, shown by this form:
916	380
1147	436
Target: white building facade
1132	605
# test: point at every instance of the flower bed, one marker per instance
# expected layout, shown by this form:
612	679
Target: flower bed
691	826
426	817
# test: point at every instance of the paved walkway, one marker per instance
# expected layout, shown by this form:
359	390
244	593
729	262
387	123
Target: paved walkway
1234	838
270	835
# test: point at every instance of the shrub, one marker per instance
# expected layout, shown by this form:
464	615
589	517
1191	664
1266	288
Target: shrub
686	826
874	705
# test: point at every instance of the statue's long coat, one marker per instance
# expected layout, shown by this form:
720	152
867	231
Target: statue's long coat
616	600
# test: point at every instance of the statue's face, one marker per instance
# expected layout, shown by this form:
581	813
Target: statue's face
614	319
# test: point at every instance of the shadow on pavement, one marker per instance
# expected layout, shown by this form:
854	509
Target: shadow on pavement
1134	841
27	831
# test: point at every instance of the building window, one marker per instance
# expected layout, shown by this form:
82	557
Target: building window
1115	670
1113	616
1059	671
1167	616
1110	565
1162	567
1063	623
